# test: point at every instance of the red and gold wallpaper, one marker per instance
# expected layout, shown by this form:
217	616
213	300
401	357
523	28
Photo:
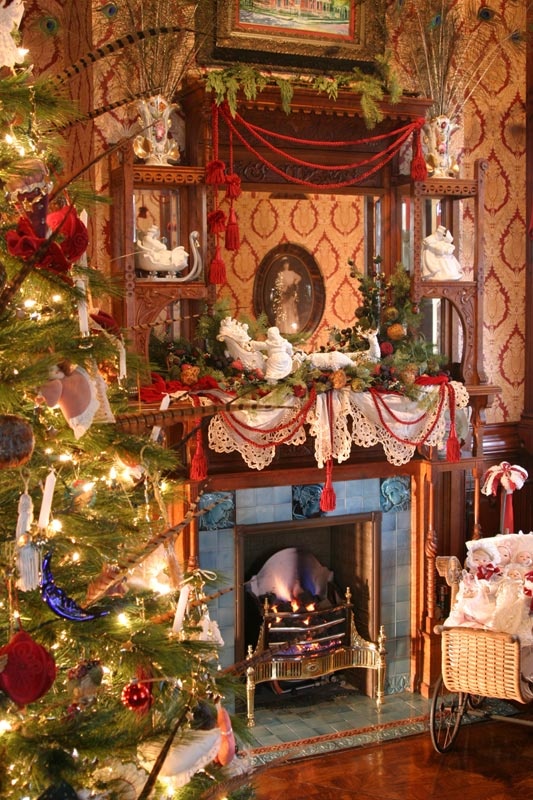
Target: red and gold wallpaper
331	228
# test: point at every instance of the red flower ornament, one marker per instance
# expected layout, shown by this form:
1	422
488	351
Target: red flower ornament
30	669
72	233
58	254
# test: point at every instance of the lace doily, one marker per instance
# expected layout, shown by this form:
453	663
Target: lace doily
337	421
256	432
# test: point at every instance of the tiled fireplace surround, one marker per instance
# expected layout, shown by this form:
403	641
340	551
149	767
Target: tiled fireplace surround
217	544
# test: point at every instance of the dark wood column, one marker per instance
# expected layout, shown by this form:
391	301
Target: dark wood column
526	422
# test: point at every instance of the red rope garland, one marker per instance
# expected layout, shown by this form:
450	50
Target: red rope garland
275	135
295	422
378	398
442	396
390	151
301	162
328	498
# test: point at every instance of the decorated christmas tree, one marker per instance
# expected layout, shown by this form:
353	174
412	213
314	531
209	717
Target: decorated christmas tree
109	686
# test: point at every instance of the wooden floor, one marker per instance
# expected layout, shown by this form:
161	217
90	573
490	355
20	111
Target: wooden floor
489	761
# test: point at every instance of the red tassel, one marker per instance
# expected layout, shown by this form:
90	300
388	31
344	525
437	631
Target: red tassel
453	448
233	238
216	221
198	471
215	172
233	186
328	498
217	269
419	170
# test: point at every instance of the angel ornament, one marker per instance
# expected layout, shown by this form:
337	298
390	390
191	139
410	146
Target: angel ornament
439	262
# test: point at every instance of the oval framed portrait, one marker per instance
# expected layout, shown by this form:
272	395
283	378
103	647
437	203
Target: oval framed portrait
289	289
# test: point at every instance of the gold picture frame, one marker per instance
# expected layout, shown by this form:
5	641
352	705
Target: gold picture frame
300	33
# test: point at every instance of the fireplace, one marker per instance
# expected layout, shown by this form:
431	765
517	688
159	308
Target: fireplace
308	601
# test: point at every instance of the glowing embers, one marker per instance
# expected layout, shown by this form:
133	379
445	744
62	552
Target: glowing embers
301	609
304	631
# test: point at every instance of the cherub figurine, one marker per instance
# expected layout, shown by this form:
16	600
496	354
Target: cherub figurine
279	355
439	262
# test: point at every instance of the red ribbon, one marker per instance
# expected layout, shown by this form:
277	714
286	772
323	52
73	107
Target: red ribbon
69	242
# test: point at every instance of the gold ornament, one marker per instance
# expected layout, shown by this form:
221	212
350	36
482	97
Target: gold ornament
189	374
339	379
396	331
391	314
409	374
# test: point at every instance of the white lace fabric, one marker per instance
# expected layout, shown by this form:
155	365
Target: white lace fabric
338	420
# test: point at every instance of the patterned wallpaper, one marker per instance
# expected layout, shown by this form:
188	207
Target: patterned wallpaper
494	128
328	226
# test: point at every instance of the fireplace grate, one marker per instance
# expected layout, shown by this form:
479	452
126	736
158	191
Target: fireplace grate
309	643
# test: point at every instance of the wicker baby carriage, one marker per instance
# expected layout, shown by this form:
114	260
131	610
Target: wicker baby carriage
476	664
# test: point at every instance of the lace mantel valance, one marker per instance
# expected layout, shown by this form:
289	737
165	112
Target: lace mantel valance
337	420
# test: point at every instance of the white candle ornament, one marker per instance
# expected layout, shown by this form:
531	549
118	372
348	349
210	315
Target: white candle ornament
46	504
181	608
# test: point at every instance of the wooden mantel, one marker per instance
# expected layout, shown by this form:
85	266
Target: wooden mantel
228	472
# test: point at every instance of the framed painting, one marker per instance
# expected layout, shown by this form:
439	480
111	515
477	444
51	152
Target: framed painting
289	289
300	32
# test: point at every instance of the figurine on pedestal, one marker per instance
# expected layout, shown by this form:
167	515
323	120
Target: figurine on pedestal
439	262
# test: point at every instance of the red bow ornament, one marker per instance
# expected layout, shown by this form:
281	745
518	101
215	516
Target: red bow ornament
56	255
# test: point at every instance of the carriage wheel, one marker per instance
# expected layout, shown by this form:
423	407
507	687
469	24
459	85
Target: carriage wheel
475	701
447	709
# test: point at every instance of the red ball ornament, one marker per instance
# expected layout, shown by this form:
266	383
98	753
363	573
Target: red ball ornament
137	696
30	670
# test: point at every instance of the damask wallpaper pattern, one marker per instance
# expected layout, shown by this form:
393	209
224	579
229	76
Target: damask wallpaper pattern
493	128
328	226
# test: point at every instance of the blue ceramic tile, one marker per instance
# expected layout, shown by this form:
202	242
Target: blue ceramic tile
402	611
388	523
221	513
403	520
403	627
403	556
282	512
245	498
306	501
403	593
225	617
395	493
354	505
247	516
388	594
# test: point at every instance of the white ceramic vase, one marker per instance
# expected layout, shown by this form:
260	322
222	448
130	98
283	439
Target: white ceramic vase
154	144
440	160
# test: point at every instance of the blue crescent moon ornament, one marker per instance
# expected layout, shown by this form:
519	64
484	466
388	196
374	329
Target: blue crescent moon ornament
58	600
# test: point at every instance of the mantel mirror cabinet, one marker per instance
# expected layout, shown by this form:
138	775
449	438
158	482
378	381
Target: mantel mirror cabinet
396	217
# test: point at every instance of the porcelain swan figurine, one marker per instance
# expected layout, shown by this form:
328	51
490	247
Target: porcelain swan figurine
154	257
240	346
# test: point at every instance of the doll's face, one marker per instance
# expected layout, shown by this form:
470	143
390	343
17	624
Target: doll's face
505	554
525	558
480	557
515	574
